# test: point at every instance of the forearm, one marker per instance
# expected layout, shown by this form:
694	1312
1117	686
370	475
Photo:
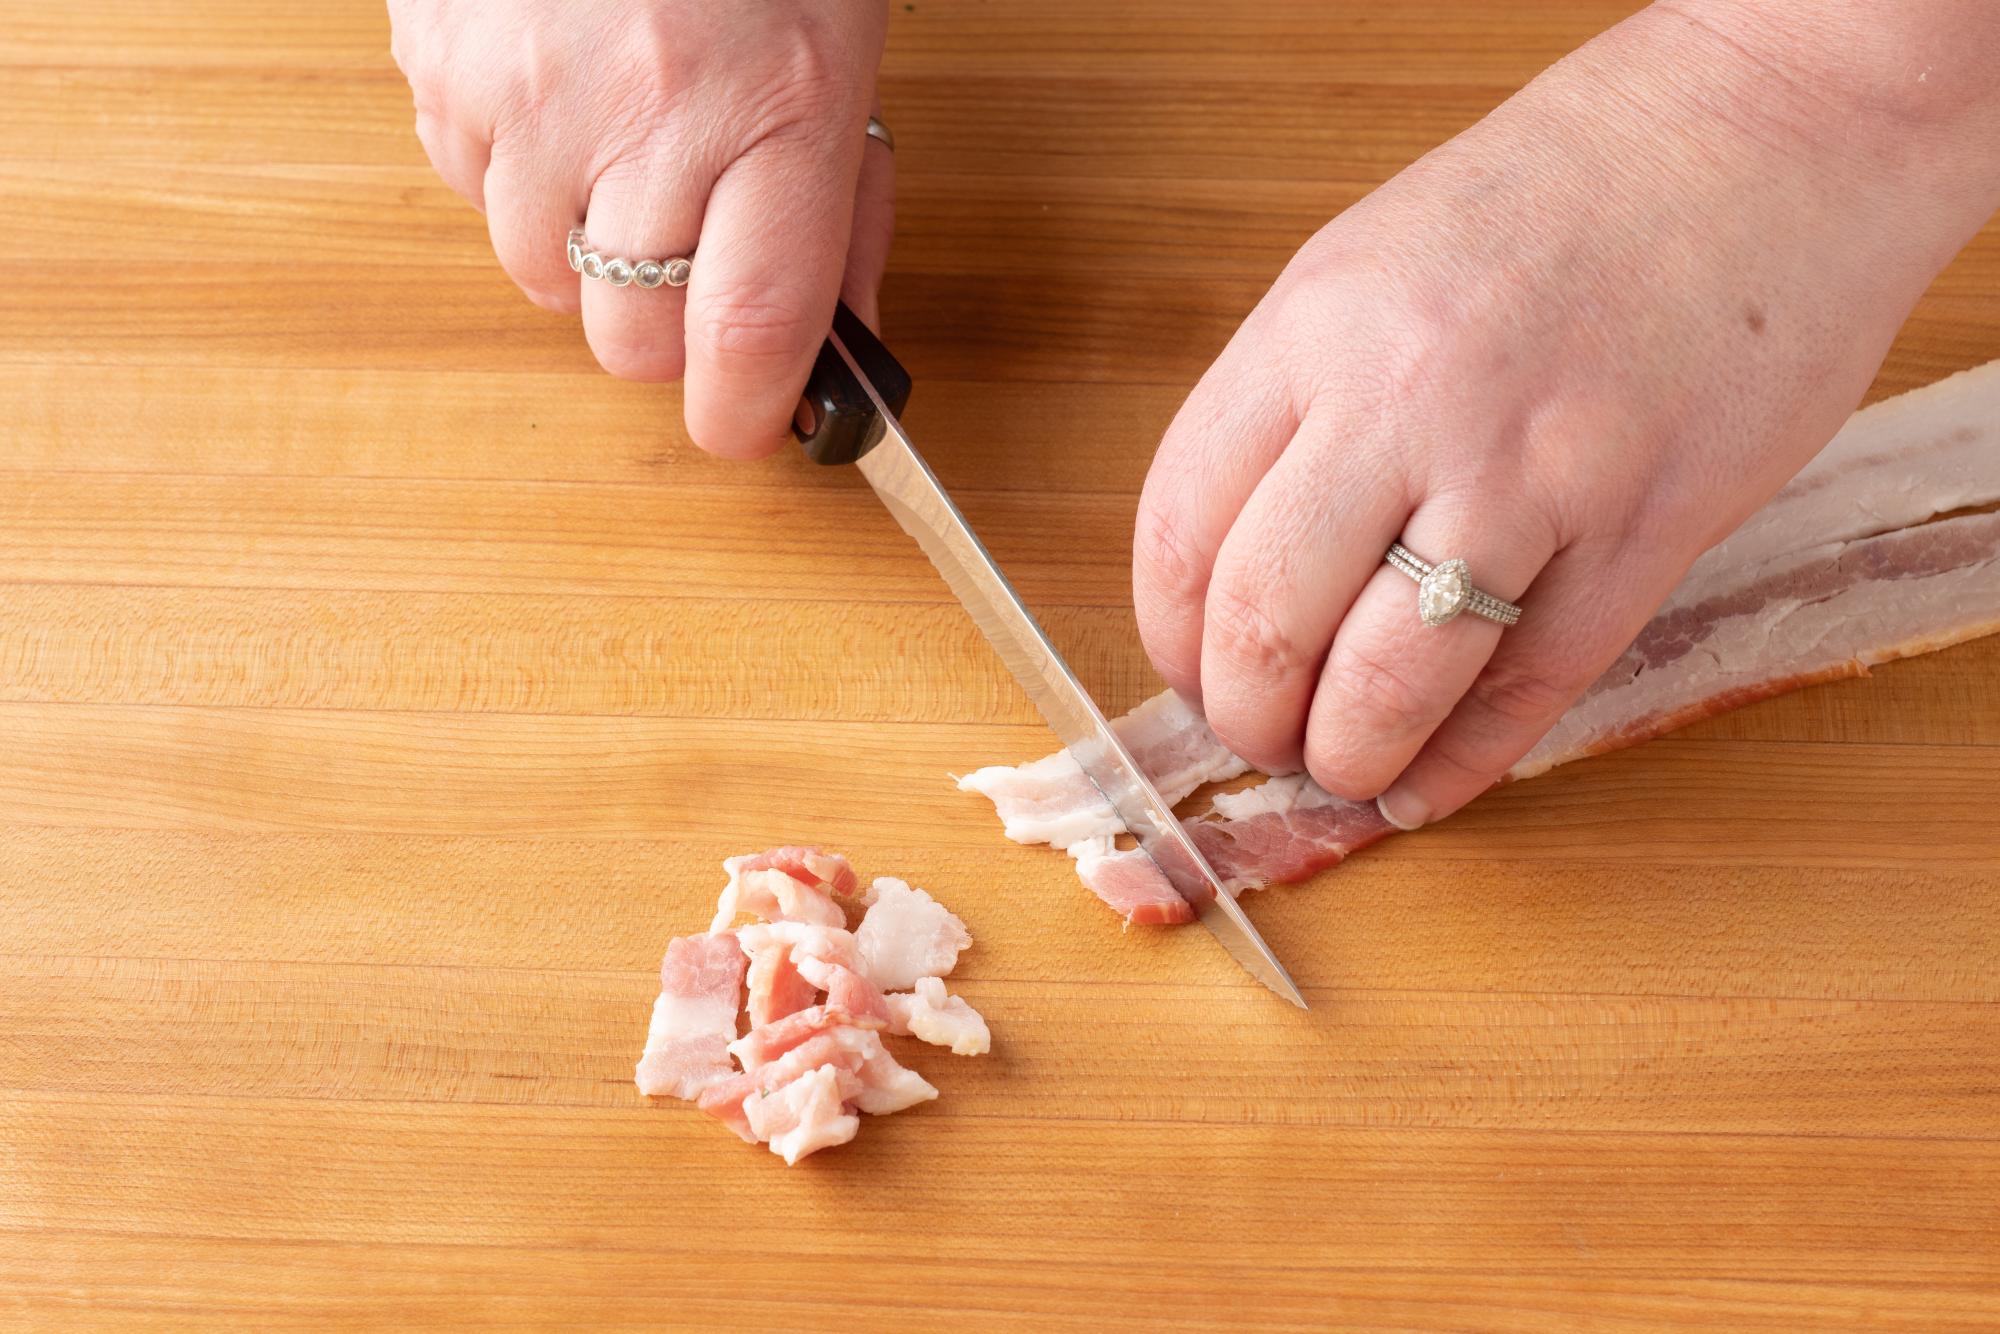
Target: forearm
1912	86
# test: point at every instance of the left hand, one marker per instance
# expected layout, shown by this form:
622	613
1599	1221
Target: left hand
1576	346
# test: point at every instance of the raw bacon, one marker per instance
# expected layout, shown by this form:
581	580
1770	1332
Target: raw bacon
804	1116
784	961
906	935
1885	546
1050	800
694	1019
928	1014
813	1057
785	884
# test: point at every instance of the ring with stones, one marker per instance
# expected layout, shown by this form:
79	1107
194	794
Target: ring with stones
1445	589
593	263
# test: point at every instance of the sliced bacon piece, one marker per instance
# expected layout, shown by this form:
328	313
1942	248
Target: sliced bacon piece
906	934
786	965
872	1080
1130	883
776	986
847	992
1050	800
804	1116
760	1046
927	1013
840	1046
694	1019
809	866
775	895
1866	556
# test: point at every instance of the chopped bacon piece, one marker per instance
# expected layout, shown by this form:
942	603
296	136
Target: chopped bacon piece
776	986
906	934
840	1046
809	866
847	992
760	1046
694	1019
804	1116
786	965
1884	546
785	884
806	940
926	1013
1130	882
1050	800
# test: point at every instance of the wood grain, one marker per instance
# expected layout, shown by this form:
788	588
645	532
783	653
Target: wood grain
380	686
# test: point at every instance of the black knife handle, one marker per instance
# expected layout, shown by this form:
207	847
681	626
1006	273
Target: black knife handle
837	422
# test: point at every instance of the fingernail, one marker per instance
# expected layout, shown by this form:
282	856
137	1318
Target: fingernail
1403	809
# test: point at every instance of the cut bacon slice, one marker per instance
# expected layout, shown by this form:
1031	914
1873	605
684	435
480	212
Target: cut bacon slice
694	1019
761	1046
1130	882
776	986
804	1116
785	884
1050	800
786	963
927	1013
847	992
906	934
1864	558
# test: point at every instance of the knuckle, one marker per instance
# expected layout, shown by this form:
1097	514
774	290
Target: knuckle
1244	634
755	329
1375	689
1524	696
1171	564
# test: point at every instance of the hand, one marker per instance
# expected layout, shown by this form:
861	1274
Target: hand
733	133
1576	346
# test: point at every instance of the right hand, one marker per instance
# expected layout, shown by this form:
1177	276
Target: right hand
731	133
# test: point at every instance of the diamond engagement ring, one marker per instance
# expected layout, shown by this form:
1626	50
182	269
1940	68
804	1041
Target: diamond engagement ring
1445	589
592	263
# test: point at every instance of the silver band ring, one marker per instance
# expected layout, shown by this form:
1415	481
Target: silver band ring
597	266
592	263
1445	589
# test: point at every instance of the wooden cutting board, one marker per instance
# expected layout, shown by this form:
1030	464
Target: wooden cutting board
380	686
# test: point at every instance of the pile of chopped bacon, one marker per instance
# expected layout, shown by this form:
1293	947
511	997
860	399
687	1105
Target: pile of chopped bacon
819	1000
1884	546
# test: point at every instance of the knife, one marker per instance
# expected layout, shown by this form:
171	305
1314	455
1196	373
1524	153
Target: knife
848	415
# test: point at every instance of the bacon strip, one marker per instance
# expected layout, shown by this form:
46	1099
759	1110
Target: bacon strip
1868	555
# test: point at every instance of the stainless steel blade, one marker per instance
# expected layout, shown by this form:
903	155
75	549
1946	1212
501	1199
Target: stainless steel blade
921	505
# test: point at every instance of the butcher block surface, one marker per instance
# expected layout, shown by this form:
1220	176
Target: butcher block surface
381	686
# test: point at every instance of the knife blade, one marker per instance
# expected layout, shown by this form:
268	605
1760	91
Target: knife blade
850	414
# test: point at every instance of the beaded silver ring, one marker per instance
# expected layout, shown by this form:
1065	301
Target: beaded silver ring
595	265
